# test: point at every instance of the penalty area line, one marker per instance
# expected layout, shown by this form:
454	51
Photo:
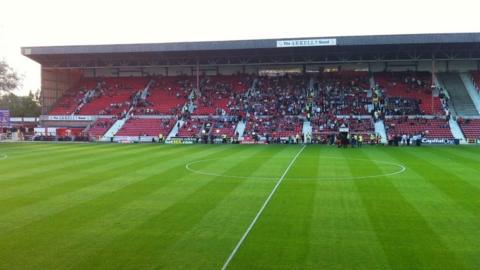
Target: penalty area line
260	211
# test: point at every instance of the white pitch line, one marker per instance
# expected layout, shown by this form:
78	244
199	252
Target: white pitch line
244	236
3	156
402	170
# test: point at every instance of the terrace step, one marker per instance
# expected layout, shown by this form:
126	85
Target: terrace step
113	129
99	127
372	82
380	129
175	129
459	96
471	89
240	129
307	129
456	131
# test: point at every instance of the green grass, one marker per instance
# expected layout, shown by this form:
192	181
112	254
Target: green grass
102	206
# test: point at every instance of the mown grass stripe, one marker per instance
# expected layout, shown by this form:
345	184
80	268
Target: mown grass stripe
84	166
455	225
456	188
48	164
260	211
61	184
346	237
406	237
82	217
122	179
166	227
267	240
459	161
24	155
244	201
119	214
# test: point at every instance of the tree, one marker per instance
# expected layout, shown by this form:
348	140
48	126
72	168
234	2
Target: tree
21	106
9	79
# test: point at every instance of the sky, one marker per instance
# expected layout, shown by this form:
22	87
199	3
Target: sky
52	22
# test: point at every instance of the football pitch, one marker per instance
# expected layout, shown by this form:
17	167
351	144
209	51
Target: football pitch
113	206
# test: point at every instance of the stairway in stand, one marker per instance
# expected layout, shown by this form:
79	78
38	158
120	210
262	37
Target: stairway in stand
459	97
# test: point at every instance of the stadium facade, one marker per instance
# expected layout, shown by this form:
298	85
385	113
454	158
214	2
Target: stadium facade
64	67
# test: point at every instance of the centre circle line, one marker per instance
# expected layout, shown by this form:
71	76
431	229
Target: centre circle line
401	169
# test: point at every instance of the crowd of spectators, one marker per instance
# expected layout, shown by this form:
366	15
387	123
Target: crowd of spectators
277	96
407	93
324	127
340	94
103	123
273	106
273	127
407	127
401	106
166	96
221	95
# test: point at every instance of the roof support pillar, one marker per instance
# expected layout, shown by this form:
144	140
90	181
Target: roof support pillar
198	76
434	70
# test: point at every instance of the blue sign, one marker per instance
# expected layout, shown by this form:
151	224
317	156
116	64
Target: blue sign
4	118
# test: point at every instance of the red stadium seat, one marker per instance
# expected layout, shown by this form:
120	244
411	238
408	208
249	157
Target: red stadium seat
431	128
147	127
470	128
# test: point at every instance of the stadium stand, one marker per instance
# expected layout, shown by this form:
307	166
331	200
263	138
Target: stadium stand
67	104
113	96
429	128
277	89
460	99
274	105
217	128
325	125
401	106
277	96
99	127
470	128
192	128
220	95
166	96
273	127
147	127
341	93
410	87
223	128
476	79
